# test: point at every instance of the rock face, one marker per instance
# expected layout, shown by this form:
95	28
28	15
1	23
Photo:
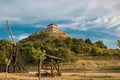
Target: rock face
53	31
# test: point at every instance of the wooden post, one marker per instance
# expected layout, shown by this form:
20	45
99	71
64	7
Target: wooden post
39	69
105	67
52	67
84	70
59	74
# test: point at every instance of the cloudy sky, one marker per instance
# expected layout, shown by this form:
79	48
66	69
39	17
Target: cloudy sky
94	19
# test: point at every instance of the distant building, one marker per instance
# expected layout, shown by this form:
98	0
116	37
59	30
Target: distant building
52	28
53	31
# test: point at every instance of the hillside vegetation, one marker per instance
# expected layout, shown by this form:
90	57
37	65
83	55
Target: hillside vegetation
68	49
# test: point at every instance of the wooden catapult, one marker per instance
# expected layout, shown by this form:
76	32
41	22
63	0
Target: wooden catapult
15	60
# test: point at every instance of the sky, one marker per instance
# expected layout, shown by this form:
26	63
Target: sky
94	19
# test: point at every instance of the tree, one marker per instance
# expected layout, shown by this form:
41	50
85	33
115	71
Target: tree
93	51
5	48
100	44
118	43
68	42
75	41
66	55
7	62
26	53
88	41
40	56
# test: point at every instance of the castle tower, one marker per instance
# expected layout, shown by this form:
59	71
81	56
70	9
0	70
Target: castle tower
52	28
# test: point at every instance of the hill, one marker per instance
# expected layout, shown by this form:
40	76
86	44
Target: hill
57	43
51	32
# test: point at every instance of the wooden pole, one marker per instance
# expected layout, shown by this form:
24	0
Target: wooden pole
52	67
10	32
105	66
39	69
59	74
84	70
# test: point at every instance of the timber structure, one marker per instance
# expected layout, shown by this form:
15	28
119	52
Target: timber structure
15	60
54	63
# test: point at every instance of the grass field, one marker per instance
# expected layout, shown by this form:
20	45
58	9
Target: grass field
83	69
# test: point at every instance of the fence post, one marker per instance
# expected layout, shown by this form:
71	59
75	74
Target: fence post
105	68
84	71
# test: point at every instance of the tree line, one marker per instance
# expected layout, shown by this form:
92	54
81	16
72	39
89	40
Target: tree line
68	49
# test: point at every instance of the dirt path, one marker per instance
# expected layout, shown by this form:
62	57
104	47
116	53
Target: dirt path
65	76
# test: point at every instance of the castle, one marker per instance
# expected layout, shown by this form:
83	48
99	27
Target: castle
53	31
52	28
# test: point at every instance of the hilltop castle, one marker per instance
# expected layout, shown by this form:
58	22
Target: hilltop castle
53	31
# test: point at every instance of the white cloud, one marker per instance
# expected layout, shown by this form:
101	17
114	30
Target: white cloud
84	15
3	18
63	9
20	37
111	25
78	11
112	43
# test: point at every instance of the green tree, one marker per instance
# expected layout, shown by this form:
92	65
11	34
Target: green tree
75	41
88	41
66	55
118	43
100	44
76	48
87	50
7	62
26	53
93	51
68	42
5	48
40	56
